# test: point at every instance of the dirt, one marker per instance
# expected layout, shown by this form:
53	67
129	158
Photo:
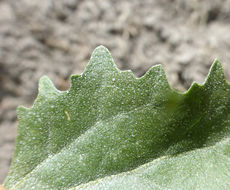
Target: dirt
56	38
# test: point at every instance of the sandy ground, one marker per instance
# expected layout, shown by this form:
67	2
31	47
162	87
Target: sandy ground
56	38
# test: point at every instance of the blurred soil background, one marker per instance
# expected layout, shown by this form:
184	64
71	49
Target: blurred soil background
56	37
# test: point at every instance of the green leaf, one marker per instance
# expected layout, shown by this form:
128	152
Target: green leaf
113	131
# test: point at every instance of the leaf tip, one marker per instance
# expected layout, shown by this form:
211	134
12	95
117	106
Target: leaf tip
216	65
216	73
101	48
46	86
157	75
100	53
44	82
100	60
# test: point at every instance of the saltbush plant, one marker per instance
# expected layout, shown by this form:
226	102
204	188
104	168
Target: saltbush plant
111	130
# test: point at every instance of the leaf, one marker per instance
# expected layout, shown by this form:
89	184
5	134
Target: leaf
113	131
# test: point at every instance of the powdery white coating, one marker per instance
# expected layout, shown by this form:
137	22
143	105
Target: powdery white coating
174	172
132	133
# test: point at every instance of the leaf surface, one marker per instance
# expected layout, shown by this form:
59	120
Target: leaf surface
113	131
